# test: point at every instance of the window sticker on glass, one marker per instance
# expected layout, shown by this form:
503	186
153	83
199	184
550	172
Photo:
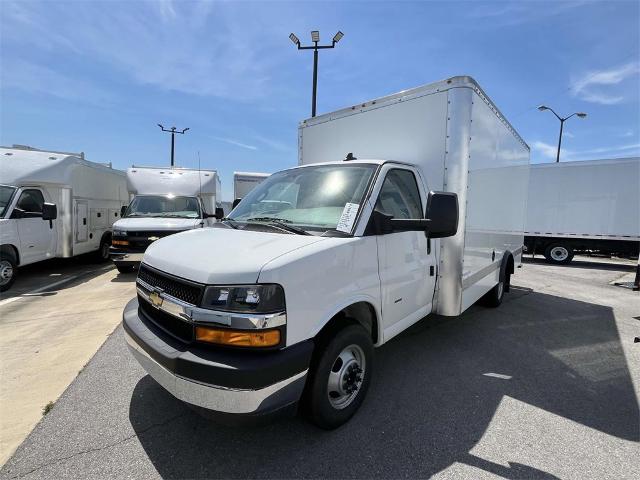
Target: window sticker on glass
348	217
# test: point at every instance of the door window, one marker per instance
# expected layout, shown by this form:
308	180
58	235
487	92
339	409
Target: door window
399	196
31	203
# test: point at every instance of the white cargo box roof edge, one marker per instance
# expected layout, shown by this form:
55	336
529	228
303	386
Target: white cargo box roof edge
186	169
252	174
461	81
572	163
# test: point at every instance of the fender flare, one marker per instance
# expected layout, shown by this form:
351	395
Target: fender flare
507	269
330	313
12	250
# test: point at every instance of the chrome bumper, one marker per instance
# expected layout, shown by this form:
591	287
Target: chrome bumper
220	399
126	257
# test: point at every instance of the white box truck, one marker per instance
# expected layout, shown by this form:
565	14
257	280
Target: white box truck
584	207
403	206
164	201
54	204
244	182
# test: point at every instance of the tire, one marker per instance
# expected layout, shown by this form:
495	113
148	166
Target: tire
345	359
493	298
125	268
558	253
8	271
102	254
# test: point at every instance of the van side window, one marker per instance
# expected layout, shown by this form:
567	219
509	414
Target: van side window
399	196
32	202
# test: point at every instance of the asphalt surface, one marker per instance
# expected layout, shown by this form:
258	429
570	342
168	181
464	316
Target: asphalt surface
546	386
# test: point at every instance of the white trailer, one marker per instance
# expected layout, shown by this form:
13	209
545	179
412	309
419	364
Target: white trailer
54	204
327	260
164	201
584	207
244	182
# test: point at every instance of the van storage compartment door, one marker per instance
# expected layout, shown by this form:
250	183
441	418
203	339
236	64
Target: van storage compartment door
82	220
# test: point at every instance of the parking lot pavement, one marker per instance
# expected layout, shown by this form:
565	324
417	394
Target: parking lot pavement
546	386
51	324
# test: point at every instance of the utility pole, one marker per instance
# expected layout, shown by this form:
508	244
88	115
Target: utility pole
315	38
542	108
173	132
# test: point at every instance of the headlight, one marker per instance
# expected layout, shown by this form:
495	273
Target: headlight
119	233
268	298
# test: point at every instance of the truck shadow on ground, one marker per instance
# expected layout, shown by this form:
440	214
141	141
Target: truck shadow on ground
430	401
583	262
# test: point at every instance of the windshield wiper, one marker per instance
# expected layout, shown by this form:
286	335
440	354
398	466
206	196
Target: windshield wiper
281	223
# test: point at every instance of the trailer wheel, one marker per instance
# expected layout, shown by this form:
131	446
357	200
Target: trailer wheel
8	270
558	253
339	379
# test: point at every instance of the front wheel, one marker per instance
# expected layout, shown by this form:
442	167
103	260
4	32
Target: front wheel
339	379
102	254
7	272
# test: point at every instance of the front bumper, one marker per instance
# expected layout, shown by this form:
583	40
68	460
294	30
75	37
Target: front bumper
122	257
223	380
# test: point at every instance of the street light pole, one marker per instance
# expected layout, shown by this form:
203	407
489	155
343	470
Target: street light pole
173	132
315	38
542	108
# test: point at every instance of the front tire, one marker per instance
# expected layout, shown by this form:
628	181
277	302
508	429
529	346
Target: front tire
102	254
339	378
558	254
8	270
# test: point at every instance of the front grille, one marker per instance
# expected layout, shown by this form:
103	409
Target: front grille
184	290
139	241
172	325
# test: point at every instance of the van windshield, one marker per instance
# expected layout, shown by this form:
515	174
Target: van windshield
164	206
6	194
320	197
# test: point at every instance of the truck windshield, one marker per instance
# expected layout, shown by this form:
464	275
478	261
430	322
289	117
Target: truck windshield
6	194
164	206
314	198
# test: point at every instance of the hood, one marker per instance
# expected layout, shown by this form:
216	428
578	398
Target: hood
220	255
151	223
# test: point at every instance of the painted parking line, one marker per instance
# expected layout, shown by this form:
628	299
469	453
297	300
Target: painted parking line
51	286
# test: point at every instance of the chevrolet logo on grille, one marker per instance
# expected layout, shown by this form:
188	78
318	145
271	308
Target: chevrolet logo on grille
155	299
153	239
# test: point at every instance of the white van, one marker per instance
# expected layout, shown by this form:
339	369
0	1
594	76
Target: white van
402	206
54	204
164	201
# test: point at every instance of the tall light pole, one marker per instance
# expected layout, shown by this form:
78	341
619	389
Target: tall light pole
315	38
173	132
542	108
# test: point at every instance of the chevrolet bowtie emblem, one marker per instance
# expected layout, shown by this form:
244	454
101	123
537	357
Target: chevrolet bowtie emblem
153	239
155	299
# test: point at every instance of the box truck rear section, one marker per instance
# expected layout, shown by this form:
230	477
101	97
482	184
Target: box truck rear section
589	207
244	182
55	204
462	144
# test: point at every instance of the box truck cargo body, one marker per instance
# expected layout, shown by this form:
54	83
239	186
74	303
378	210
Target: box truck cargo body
244	182
85	198
400	207
584	207
164	201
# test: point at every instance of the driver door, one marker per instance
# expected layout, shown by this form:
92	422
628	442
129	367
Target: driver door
36	235
405	263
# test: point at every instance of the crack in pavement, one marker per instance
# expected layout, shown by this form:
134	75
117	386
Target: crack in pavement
104	447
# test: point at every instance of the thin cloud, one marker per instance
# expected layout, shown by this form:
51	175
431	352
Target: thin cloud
590	86
550	151
236	143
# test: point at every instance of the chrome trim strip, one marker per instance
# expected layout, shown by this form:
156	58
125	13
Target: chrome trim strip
212	397
192	313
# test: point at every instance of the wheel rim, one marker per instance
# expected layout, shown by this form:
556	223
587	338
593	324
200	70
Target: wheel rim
6	272
345	377
559	254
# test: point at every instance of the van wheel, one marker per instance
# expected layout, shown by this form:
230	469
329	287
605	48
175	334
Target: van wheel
102	254
558	253
8	269
339	379
493	298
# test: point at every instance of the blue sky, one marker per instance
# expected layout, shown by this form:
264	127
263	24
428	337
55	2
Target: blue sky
98	76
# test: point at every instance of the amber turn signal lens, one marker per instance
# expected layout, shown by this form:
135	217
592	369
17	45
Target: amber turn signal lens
264	338
119	242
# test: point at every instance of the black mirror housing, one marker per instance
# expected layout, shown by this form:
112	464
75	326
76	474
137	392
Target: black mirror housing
442	214
235	203
123	210
219	213
49	211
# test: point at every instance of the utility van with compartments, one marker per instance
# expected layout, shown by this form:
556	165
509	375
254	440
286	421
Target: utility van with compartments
400	207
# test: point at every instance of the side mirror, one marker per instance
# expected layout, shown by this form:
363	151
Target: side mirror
219	213
235	203
123	210
49	211
442	214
